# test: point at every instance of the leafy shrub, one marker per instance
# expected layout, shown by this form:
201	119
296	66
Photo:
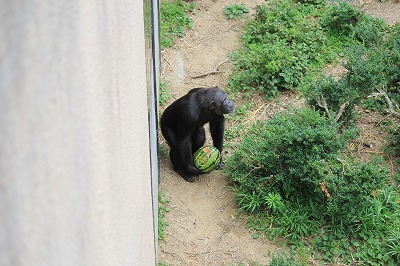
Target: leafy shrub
375	72
394	142
368	69
312	2
341	18
283	156
174	21
349	187
334	98
267	67
369	32
291	174
278	47
393	45
235	11
372	77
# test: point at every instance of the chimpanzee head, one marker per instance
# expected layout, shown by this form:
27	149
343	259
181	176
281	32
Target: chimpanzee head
220	102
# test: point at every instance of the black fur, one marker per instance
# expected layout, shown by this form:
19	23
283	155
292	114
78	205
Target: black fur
182	126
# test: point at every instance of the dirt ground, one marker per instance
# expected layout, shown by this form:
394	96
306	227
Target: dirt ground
204	225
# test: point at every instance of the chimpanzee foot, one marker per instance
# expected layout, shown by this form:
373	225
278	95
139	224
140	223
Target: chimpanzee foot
220	165
188	177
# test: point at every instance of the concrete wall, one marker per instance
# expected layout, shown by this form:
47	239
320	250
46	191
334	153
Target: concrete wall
75	186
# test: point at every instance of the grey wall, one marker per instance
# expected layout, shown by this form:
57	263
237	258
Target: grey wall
75	186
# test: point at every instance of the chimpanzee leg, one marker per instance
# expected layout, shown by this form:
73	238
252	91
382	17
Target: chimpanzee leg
179	166
198	139
175	159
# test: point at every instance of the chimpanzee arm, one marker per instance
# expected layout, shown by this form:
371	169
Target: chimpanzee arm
217	127
168	134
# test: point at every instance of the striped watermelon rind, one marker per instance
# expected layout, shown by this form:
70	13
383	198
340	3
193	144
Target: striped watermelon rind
207	158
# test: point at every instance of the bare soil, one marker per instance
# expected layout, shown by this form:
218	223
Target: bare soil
205	227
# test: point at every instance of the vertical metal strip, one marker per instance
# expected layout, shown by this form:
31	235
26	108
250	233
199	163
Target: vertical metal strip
155	74
151	17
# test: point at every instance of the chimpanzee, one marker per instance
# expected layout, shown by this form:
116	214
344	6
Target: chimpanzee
182	126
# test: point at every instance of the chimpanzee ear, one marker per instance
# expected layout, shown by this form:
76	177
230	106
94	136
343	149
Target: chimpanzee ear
211	105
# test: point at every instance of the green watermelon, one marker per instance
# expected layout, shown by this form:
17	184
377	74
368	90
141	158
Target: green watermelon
207	158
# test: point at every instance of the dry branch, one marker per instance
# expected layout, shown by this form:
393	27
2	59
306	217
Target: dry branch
214	71
341	110
325	106
389	102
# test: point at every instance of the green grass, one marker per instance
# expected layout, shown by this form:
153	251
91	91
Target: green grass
165	93
174	21
162	209
280	45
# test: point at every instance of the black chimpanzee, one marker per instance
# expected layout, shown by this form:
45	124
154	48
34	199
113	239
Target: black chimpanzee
182	126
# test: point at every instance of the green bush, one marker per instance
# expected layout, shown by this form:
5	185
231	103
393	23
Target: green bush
283	156
369	32
291	173
267	67
373	72
312	2
368	69
341	18
394	142
335	99
278	47
235	11
351	186
393	45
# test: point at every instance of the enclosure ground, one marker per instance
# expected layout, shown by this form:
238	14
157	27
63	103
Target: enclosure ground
204	225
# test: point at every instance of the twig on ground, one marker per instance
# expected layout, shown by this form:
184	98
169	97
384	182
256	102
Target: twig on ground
365	144
196	254
214	71
253	114
167	252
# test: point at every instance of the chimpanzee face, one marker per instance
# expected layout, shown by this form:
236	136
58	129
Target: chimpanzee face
226	107
221	104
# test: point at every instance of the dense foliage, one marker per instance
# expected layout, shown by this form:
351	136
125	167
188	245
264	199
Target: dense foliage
373	71
284	156
278	47
292	174
287	42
